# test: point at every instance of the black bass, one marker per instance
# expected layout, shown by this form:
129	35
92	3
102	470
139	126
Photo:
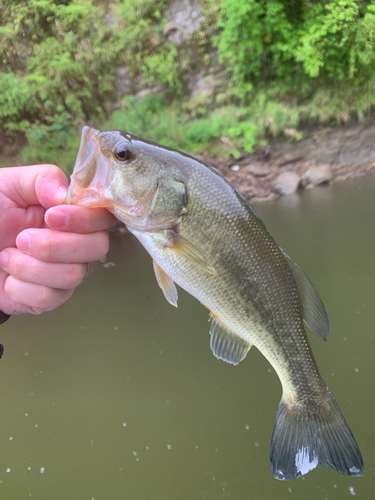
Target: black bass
204	236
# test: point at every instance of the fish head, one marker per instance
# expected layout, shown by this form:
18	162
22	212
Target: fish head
123	173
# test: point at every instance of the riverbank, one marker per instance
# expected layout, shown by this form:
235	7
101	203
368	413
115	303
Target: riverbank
323	157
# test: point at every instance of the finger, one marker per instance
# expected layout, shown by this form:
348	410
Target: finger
44	185
55	246
16	220
38	298
79	219
31	270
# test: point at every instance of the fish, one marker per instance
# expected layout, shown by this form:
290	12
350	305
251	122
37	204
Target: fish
205	237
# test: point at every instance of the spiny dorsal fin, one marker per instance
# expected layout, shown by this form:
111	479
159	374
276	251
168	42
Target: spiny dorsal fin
314	312
227	345
166	284
186	249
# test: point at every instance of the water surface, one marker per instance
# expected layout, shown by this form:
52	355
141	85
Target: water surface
116	395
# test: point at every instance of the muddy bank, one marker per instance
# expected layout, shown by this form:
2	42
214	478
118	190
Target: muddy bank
324	157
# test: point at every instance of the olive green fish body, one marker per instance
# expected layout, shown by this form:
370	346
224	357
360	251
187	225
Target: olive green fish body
205	237
253	291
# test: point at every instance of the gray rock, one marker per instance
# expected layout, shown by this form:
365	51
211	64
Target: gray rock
185	18
145	92
201	84
317	175
287	183
257	169
123	80
294	152
360	149
111	19
327	153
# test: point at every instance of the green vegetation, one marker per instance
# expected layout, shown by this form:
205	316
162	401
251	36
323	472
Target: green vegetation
288	63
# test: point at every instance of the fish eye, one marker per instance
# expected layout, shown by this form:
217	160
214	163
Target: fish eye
123	153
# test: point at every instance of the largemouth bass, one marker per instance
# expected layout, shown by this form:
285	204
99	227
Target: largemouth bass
204	236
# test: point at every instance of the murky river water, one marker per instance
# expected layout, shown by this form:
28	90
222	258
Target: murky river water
117	395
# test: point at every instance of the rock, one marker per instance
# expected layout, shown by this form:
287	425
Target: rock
111	19
359	149
294	152
287	183
185	18
291	132
327	152
201	84
257	169
316	175
123	80
145	92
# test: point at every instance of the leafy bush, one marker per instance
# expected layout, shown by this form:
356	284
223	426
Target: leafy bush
149	119
153	120
263	40
144	47
59	63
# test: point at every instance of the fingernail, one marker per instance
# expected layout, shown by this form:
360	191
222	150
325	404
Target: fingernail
57	218
63	190
4	259
23	242
60	194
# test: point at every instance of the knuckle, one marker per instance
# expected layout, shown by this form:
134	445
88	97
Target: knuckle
54	169
8	286
46	295
13	264
75	274
102	244
106	243
42	246
52	298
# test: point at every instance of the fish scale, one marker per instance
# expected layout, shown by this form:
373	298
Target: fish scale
204	236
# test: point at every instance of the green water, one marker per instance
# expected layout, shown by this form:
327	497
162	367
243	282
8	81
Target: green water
117	395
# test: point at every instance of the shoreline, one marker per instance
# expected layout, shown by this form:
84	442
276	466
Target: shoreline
282	168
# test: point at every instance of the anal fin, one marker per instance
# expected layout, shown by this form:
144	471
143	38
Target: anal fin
166	284
225	344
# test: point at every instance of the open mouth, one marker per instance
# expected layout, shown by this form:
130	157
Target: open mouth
88	180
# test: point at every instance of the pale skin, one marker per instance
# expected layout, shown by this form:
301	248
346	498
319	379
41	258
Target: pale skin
45	247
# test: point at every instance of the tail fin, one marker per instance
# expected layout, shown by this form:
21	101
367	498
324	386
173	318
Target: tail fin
301	440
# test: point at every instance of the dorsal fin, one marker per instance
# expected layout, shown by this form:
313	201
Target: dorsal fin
166	284
227	345
314	312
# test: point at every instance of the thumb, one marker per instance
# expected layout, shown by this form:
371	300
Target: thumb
44	185
51	186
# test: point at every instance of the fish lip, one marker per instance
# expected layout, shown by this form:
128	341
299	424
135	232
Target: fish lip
88	135
90	199
84	171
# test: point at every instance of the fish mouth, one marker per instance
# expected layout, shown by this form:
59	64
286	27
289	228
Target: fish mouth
88	181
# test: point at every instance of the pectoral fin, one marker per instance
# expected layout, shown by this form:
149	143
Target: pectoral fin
186	249
166	284
227	345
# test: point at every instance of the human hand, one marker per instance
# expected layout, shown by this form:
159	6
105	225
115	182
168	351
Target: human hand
44	246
